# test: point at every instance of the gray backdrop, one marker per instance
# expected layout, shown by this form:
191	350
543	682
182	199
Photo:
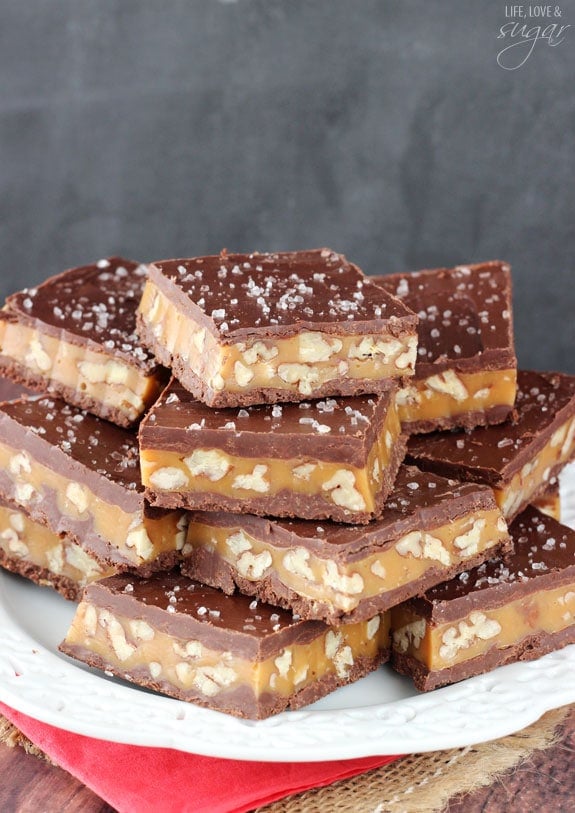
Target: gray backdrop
387	130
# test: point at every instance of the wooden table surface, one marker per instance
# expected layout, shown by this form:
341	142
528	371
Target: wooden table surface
545	782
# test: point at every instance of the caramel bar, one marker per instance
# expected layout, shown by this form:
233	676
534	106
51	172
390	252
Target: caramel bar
243	329
333	458
228	653
550	501
80	476
73	337
518	460
34	551
465	373
506	610
431	528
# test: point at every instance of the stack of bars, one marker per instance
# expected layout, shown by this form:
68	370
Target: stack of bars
264	475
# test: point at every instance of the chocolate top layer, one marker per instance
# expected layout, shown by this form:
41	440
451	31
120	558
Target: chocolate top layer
104	448
281	293
91	304
493	454
419	501
340	429
465	314
543	557
190	610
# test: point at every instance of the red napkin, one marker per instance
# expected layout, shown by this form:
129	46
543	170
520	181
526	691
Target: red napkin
135	779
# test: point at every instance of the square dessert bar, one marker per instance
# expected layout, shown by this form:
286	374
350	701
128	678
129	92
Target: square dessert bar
80	476
509	609
73	337
335	458
517	459
241	329
465	373
34	551
431	528
229	653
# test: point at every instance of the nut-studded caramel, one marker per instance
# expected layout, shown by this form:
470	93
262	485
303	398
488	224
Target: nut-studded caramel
516	607
126	538
430	529
537	471
33	550
110	385
80	476
334	458
353	587
266	328
445	397
229	653
442	646
465	373
519	458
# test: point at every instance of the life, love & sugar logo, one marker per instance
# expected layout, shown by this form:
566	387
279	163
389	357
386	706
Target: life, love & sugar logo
528	26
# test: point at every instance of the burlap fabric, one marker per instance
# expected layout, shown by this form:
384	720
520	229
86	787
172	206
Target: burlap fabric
421	783
424	783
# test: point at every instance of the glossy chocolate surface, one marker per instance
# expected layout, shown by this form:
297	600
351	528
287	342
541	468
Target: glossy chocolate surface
94	304
340	429
493	454
279	294
465	316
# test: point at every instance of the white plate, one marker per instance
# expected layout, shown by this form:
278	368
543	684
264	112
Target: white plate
381	714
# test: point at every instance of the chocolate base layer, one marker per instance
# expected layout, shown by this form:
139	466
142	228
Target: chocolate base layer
21	375
67	588
263	395
468	420
285	503
242	702
528	649
206	566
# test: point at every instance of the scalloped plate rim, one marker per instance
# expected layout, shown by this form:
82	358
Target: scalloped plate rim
515	695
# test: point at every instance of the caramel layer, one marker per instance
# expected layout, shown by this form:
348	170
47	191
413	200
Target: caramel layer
450	394
344	585
134	537
216	472
518	492
99	376
192	670
300	364
22	538
550	504
445	645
